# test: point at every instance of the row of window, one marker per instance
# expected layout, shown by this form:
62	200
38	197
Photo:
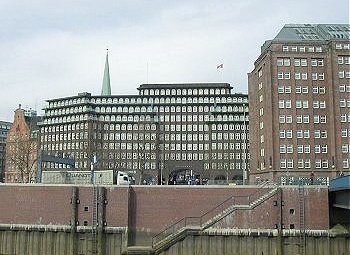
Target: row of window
187	91
151	108
287	48
300	89
306	163
302	133
340	46
344	60
146	100
300	62
344	74
282	104
302	76
302	119
303	149
344	88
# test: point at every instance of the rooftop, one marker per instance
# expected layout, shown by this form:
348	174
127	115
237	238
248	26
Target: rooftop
185	85
310	32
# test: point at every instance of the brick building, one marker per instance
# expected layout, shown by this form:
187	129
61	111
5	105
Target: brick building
299	95
21	147
4	128
167	130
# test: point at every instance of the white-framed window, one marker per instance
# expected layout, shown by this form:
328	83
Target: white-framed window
307	163
345	132
282	133
318	163
285	48
283	163
280	89
288	89
289	163
283	148
346	163
298	104
317	148
281	104
345	148
288	104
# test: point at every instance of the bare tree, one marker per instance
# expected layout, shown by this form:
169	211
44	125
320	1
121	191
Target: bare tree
22	156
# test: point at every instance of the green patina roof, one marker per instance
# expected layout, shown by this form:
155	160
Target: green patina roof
106	84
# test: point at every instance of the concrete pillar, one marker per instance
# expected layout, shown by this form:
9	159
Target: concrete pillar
101	219
279	248
73	221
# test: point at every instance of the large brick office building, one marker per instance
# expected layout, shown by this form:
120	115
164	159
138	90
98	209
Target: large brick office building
299	95
196	129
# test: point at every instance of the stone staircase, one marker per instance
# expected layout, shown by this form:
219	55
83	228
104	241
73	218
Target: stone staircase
195	225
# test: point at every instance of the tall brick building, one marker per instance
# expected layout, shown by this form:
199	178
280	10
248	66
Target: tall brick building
4	128
299	95
21	147
196	129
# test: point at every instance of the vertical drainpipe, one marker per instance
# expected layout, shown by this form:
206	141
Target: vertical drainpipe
74	219
101	219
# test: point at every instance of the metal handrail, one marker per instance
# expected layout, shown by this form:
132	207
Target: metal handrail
184	222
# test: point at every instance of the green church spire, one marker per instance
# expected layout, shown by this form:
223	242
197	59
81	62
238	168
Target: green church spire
106	84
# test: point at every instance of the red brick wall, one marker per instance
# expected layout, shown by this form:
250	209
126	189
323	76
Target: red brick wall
118	206
151	208
157	207
28	204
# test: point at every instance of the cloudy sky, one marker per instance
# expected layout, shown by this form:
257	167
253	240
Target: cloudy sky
51	49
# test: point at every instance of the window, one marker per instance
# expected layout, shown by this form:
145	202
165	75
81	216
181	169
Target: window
283	163
282	133
288	104
281	104
285	48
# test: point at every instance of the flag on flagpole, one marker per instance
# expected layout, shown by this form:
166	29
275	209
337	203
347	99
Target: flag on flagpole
220	66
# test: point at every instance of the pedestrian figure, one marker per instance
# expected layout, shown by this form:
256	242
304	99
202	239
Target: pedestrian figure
312	177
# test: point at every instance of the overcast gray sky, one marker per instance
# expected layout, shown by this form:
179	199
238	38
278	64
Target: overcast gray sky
51	49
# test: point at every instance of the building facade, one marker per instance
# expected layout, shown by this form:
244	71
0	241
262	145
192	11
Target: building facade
4	128
22	147
299	95
167	131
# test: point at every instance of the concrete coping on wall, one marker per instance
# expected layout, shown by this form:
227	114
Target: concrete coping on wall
32	227
110	230
240	232
161	186
264	232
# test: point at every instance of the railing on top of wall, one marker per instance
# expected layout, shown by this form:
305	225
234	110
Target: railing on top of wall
203	221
